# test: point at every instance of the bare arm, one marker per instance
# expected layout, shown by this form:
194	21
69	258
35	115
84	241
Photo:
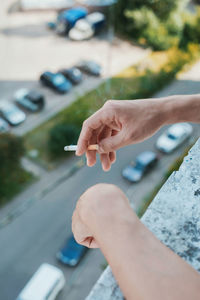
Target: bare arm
142	265
121	123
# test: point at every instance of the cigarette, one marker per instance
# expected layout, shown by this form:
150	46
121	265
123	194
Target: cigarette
74	147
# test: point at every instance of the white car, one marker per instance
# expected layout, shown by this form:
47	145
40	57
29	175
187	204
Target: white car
11	113
45	284
81	31
173	137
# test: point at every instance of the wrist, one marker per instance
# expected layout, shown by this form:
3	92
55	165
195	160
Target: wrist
105	208
181	108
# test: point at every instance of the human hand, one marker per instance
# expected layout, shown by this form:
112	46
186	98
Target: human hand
101	208
118	124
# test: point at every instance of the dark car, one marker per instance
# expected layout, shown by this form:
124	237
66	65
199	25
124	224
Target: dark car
56	81
144	163
29	99
68	18
89	67
71	253
72	74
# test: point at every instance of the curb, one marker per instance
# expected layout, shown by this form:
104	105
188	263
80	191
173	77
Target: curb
11	216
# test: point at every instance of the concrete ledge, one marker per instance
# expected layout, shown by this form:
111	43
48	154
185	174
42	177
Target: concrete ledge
173	217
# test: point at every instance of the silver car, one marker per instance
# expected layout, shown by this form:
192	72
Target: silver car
11	113
173	137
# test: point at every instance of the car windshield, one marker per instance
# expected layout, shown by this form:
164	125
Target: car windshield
58	80
172	136
139	166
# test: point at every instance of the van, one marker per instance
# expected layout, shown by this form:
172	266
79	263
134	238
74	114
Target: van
45	284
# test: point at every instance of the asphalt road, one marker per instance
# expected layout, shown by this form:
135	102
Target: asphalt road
36	236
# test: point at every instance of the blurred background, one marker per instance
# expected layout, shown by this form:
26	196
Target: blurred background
60	60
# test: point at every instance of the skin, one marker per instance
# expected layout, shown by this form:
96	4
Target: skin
103	217
121	123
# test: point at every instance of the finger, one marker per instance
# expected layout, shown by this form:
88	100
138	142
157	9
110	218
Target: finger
101	117
112	156
105	157
112	143
105	161
90	242
91	155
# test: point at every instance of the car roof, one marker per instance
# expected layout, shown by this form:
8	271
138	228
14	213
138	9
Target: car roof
146	157
44	278
73	13
178	129
6	104
95	17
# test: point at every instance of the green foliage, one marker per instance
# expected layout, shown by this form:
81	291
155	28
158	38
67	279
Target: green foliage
162	9
191	29
155	23
11	150
175	24
13	177
61	135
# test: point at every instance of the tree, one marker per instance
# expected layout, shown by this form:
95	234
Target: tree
61	135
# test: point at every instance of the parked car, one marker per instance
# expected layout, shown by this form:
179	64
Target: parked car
71	253
29	99
81	31
11	113
4	127
45	284
96	20
56	81
68	18
143	163
72	74
89	67
173	137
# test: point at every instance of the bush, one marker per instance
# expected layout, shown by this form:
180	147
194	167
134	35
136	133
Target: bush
61	135
11	151
12	176
191	29
155	23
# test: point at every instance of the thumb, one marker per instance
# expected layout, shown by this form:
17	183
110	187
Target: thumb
111	143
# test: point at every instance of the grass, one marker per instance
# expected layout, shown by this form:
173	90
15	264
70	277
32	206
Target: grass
136	82
14	183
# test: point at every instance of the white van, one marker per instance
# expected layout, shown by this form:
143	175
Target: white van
45	284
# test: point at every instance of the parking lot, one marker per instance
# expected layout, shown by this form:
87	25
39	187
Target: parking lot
28	48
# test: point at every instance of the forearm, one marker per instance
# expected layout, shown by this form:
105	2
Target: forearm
142	265
181	108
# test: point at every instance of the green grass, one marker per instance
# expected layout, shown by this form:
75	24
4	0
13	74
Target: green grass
14	183
139	81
